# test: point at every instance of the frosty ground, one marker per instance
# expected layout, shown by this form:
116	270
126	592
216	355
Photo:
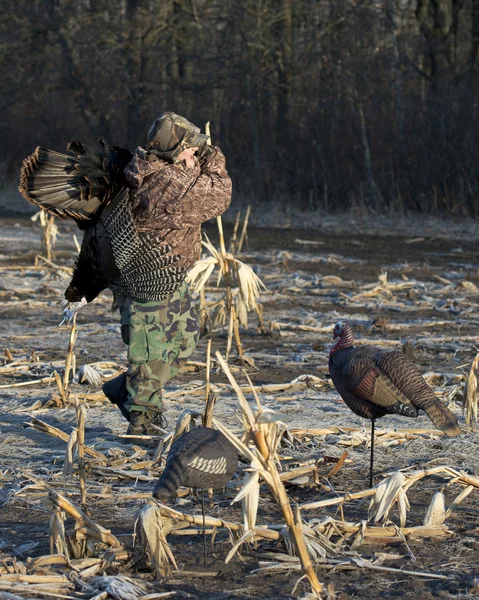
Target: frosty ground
419	288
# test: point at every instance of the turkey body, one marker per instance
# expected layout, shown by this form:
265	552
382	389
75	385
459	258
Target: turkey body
374	382
200	458
115	255
95	267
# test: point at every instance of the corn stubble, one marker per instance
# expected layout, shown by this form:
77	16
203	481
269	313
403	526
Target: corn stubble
314	544
319	543
470	400
241	292
259	444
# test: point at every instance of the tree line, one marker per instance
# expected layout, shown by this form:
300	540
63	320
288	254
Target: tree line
321	104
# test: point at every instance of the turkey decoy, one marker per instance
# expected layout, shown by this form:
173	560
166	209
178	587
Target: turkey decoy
201	458
375	382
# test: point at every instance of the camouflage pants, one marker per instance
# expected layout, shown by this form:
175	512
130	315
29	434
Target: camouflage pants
161	336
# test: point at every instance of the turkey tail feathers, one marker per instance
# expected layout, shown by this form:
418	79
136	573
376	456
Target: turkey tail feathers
72	185
442	418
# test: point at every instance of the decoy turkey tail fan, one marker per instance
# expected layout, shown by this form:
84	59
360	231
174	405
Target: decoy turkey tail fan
442	418
74	184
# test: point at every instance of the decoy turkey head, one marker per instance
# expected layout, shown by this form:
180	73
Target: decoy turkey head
338	329
343	331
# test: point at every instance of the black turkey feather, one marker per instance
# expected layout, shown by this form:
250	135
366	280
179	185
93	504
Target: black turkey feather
115	255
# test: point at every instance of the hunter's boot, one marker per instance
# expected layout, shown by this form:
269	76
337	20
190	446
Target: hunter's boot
116	392
148	423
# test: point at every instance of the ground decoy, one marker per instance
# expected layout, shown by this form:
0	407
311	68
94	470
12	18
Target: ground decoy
375	382
201	458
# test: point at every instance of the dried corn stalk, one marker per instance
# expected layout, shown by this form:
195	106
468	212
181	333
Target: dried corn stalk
49	232
469	401
81	417
70	453
58	538
241	292
263	434
388	492
151	536
86	534
70	359
409	479
249	494
89	374
436	511
244	233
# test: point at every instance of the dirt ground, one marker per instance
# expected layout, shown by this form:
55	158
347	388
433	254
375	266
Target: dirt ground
419	288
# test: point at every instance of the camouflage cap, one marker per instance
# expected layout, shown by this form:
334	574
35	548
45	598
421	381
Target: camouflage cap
170	134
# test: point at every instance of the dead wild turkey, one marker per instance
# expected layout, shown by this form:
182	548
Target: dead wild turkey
88	185
375	382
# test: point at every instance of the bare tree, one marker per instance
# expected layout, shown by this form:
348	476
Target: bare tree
317	103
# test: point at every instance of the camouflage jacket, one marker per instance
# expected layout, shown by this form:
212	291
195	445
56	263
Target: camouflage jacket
174	200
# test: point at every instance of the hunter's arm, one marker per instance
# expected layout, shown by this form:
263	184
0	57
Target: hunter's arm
209	197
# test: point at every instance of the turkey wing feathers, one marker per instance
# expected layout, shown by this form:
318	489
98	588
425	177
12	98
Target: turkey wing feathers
378	388
406	377
365	388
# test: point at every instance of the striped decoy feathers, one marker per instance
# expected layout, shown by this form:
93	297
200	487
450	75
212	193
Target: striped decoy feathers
200	458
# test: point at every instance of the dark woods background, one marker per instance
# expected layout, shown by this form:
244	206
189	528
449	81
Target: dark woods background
323	104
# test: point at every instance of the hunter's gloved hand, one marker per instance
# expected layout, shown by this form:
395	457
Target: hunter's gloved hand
70	310
203	152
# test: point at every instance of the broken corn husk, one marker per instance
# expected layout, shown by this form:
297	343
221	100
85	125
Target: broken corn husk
436	511
150	535
249	284
262	435
387	494
470	399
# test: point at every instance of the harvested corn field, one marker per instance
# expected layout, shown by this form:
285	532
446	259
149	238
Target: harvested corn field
76	516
